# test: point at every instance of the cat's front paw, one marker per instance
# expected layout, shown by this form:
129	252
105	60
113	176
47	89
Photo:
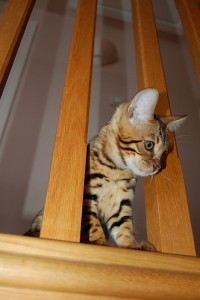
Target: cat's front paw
145	246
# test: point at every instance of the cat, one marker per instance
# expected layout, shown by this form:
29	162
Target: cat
132	144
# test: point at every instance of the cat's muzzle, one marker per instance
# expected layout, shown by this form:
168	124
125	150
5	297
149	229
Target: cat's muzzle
156	166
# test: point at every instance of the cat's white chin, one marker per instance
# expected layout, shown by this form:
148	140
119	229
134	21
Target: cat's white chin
144	173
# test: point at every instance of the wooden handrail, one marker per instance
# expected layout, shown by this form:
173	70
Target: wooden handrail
44	269
12	25
63	207
168	219
190	16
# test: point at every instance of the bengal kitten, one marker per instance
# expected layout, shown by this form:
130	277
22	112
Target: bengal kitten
132	144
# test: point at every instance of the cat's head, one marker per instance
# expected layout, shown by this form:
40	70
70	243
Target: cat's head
143	136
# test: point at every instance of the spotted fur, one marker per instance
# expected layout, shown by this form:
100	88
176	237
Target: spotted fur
132	144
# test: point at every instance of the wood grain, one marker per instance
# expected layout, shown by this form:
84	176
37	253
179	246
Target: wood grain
190	16
12	25
34	294
55	268
32	268
36	247
63	207
168	219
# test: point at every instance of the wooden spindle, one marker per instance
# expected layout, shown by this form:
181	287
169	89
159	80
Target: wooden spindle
168	219
63	207
12	25
189	11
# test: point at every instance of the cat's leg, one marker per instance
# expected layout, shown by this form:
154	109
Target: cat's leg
121	228
122	232
123	235
92	231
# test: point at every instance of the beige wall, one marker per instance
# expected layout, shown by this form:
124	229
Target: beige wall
27	144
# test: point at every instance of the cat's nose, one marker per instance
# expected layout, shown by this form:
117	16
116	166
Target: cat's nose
156	166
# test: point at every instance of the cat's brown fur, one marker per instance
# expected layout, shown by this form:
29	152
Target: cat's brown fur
131	144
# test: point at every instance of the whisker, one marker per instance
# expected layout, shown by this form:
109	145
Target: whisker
150	181
167	178
179	136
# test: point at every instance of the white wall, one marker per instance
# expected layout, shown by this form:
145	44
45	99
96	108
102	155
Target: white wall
27	144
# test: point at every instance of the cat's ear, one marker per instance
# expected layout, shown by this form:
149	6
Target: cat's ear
173	122
143	105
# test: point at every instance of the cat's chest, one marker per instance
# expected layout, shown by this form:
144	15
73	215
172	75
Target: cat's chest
117	188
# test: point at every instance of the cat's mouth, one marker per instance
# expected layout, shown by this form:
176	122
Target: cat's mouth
145	172
144	169
153	169
154	172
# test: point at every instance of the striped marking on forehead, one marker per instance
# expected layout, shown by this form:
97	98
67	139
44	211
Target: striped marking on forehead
128	141
125	145
162	129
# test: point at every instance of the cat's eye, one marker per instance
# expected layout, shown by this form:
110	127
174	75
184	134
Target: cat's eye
148	145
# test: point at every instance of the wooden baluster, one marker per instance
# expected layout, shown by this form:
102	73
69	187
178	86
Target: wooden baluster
12	25
189	11
168	220
63	207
